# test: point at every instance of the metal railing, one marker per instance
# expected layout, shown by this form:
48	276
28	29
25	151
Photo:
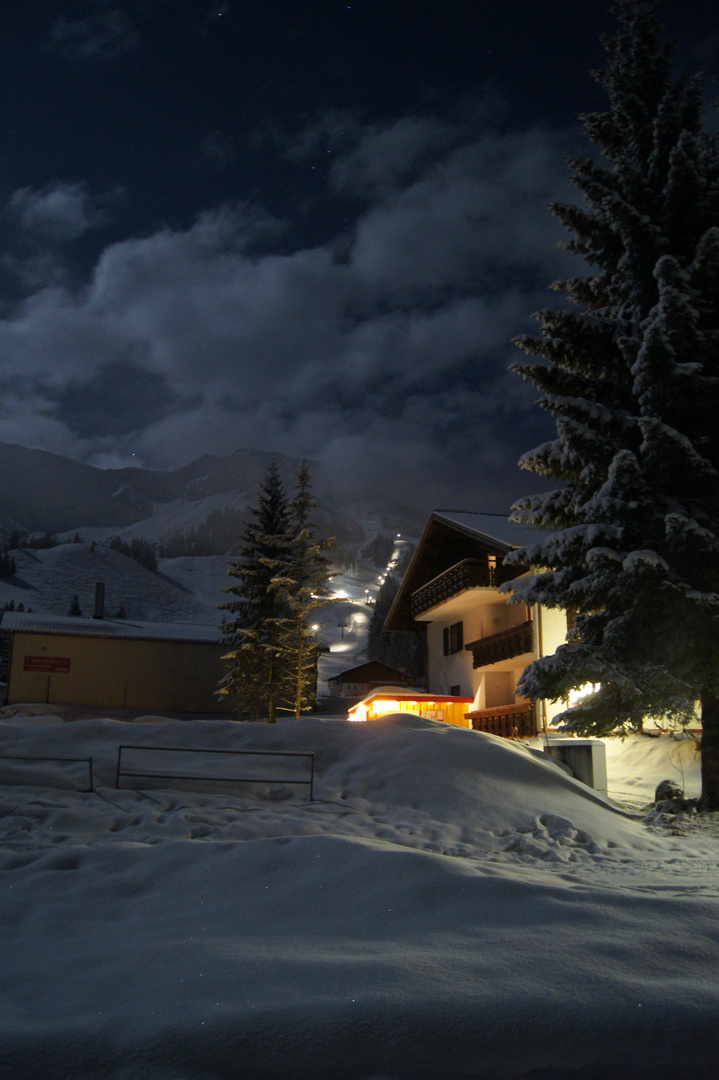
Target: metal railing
33	782
213	779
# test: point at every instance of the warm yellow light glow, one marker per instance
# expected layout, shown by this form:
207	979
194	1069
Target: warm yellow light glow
576	695
381	707
358	713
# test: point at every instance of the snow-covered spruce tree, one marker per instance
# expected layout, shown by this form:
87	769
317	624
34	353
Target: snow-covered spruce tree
255	675
302	589
630	374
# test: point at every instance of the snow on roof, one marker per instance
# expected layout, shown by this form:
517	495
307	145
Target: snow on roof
494	528
29	622
399	693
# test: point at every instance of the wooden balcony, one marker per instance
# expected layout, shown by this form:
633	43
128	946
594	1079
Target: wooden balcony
502	646
508	721
468	574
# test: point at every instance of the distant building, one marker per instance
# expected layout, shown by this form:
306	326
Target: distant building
477	643
358	681
67	660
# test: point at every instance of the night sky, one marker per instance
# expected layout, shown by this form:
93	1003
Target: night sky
305	226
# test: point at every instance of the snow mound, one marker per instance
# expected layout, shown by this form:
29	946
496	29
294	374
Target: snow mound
448	906
411	781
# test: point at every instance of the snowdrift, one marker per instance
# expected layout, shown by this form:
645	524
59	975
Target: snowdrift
449	906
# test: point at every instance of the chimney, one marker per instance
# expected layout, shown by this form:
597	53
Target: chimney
99	605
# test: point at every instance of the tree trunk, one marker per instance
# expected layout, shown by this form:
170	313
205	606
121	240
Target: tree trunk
710	750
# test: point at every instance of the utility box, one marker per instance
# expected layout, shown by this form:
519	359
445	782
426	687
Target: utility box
586	758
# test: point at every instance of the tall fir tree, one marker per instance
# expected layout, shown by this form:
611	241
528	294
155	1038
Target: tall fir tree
255	676
403	651
302	588
630	374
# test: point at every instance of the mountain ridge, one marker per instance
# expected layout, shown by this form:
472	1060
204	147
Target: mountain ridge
44	492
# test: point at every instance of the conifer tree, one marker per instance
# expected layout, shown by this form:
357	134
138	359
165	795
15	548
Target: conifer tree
303	589
255	676
630	374
405	652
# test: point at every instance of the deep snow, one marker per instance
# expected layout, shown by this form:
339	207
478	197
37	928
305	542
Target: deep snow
450	906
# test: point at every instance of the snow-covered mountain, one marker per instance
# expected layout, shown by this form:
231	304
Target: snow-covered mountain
44	492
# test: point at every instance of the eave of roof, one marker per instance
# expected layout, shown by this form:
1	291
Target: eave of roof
494	529
71	626
484	528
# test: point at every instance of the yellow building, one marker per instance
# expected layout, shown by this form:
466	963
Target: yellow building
64	660
477	644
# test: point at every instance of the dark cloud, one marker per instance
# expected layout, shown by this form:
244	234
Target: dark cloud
387	364
121	398
61	211
217	151
101	35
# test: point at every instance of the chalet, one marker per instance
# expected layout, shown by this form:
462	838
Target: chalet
477	643
111	662
361	680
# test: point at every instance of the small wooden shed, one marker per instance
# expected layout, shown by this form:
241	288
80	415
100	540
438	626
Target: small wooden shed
66	660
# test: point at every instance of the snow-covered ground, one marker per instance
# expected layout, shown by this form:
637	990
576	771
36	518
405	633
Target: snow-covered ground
450	905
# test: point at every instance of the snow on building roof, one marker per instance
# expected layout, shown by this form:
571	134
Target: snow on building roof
29	622
493	528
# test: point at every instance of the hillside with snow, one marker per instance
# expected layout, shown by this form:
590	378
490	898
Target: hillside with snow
46	493
187	589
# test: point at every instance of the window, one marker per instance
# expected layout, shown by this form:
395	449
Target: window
492	569
453	638
455	691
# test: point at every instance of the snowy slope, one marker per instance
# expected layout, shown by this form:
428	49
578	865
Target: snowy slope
168	518
46	581
449	906
187	589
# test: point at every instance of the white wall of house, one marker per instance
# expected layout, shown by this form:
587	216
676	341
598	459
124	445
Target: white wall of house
484	612
446	672
551	633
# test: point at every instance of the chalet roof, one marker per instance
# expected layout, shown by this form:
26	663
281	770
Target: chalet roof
449	537
371	671
69	625
494	529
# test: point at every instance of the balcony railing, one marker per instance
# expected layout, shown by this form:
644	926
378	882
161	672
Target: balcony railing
468	574
508	721
502	646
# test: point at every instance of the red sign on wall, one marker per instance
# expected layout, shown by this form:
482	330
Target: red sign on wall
47	664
